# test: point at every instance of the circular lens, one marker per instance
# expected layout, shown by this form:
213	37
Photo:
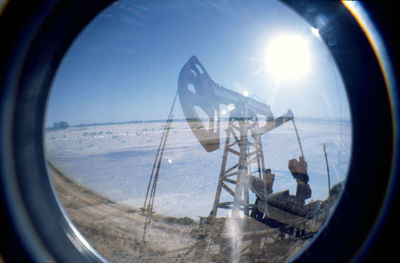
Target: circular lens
199	132
212	131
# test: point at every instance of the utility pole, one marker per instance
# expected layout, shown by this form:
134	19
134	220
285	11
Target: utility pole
327	170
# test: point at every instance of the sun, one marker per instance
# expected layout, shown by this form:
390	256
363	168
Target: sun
288	57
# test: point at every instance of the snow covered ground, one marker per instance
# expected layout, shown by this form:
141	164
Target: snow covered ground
116	160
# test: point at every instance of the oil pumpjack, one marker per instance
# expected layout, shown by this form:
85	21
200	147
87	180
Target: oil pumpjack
248	120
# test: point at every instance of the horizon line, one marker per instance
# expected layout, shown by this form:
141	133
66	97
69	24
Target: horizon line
181	120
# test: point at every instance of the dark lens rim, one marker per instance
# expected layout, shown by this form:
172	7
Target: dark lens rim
41	33
365	200
45	32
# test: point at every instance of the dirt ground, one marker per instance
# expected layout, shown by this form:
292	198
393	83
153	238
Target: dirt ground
116	231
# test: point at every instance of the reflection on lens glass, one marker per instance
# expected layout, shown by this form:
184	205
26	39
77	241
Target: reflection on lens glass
198	131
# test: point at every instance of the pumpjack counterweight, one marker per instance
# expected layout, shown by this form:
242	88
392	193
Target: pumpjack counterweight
243	135
244	184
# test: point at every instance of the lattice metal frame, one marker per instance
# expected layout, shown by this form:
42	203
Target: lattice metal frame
244	133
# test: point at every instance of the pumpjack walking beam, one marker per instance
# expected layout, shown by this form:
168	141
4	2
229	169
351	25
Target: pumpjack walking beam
197	89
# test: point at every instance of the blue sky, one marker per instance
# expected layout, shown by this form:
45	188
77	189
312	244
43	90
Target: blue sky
124	66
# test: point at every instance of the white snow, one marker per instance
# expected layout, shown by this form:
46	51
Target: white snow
116	160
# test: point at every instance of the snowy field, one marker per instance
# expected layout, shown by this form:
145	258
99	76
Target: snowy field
116	160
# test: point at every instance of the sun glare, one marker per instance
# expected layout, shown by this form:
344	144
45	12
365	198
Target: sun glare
288	57
315	32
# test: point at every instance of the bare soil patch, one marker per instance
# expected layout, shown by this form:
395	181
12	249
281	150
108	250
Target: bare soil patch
115	230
